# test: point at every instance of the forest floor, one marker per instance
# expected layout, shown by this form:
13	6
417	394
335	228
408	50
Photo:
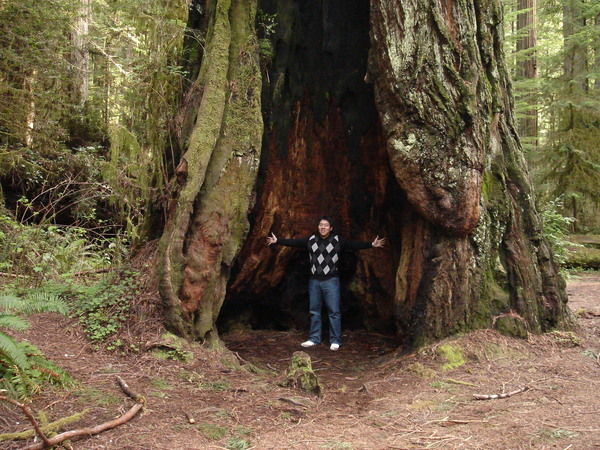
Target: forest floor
374	397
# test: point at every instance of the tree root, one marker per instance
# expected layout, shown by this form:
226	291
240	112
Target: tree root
89	431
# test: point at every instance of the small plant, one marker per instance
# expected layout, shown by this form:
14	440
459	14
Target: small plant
23	367
237	443
104	307
212	431
217	386
266	27
566	338
555	229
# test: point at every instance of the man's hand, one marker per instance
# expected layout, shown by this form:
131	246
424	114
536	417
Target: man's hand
271	239
377	242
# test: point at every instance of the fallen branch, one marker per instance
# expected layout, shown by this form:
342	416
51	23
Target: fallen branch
298	401
127	390
497	396
90	431
12	275
51	428
27	411
90	272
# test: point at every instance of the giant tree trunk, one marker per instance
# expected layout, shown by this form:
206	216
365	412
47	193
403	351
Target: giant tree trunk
422	149
475	247
216	173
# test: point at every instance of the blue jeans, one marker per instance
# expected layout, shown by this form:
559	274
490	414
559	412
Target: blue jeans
328	290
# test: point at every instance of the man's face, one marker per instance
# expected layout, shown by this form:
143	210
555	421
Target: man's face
324	228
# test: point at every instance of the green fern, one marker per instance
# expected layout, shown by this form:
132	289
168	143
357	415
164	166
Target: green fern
13	322
35	303
11	354
23	368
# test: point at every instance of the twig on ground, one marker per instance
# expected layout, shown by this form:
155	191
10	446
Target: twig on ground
36	425
462	421
90	431
497	396
578	430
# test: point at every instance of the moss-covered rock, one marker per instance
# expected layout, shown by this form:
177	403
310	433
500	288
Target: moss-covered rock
511	325
585	253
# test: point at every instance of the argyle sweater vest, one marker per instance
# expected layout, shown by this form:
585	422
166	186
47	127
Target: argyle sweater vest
324	256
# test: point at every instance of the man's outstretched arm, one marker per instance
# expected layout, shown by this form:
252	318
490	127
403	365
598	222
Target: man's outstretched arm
360	245
287	242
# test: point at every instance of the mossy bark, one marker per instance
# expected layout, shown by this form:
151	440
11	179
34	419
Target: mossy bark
217	174
473	246
301	374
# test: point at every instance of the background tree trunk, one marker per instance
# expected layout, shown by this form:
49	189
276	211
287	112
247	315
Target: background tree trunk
422	150
81	54
527	68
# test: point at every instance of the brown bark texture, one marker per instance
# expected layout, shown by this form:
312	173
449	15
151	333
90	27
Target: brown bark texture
475	245
395	118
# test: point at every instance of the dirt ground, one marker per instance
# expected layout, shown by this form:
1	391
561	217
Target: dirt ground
374	396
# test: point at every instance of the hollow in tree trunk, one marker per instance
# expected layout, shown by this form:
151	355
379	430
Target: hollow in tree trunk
394	117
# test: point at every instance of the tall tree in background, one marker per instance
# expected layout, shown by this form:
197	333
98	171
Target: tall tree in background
527	67
427	154
81	52
568	161
85	108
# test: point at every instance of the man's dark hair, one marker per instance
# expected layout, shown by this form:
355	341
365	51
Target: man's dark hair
326	218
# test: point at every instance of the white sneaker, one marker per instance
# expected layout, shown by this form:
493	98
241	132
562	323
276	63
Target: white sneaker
308	344
334	347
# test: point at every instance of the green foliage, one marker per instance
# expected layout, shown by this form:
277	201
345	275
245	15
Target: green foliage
48	251
212	431
103	307
555	229
23	368
54	136
238	443
266	28
564	156
34	63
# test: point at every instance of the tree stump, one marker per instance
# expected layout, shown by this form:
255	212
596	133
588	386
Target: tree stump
301	374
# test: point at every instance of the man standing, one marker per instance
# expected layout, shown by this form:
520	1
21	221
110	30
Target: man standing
324	249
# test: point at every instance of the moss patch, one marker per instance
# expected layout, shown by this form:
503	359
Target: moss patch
511	325
454	355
